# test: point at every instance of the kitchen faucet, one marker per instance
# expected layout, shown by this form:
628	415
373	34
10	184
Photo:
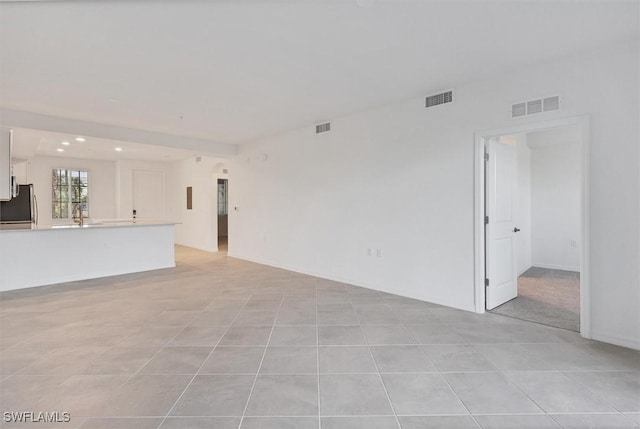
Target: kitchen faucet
77	208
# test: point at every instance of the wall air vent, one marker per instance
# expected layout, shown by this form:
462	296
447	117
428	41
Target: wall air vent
323	128
551	103
437	99
532	107
519	109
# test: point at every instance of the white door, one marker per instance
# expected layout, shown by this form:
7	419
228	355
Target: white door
500	229
148	194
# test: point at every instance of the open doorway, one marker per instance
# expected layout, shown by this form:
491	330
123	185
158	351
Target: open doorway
223	215
533	195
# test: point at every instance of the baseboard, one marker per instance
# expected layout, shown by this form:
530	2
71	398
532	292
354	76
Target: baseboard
628	342
556	267
524	271
204	249
632	343
306	272
344	280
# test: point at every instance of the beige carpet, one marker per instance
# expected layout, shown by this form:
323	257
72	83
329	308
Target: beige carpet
549	297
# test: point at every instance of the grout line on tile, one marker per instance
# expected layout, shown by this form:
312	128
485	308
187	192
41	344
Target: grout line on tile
460	400
522	390
318	353
264	353
196	374
594	394
384	387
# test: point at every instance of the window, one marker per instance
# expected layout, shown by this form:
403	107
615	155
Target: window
70	190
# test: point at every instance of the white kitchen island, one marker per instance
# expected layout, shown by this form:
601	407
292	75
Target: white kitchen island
50	254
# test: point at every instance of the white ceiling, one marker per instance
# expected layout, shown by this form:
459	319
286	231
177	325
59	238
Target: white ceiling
30	143
233	71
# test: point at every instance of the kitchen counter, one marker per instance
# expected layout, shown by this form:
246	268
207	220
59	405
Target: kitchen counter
49	254
93	223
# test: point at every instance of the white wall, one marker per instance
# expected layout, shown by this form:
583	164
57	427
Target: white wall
101	184
20	171
401	178
198	227
110	184
555	205
522	217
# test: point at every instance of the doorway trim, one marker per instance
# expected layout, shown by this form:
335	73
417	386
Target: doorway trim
480	138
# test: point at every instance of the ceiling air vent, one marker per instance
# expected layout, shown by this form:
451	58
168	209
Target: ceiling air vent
437	99
539	105
323	128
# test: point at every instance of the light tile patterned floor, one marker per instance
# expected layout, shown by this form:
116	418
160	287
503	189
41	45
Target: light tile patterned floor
222	343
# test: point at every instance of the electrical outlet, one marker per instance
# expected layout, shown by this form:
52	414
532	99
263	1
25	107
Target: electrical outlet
574	243
378	253
369	252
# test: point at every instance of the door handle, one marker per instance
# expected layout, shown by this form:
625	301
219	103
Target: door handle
516	229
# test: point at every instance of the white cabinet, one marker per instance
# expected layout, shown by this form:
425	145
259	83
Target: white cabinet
5	164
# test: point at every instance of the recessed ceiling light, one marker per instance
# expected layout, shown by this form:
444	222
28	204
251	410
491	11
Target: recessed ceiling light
60	150
66	143
81	139
118	149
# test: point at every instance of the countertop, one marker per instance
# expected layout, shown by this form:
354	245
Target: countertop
89	224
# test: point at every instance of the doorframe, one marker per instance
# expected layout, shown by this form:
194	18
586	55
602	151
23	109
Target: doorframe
480	138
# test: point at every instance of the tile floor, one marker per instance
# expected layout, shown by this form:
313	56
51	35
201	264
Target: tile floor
222	343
